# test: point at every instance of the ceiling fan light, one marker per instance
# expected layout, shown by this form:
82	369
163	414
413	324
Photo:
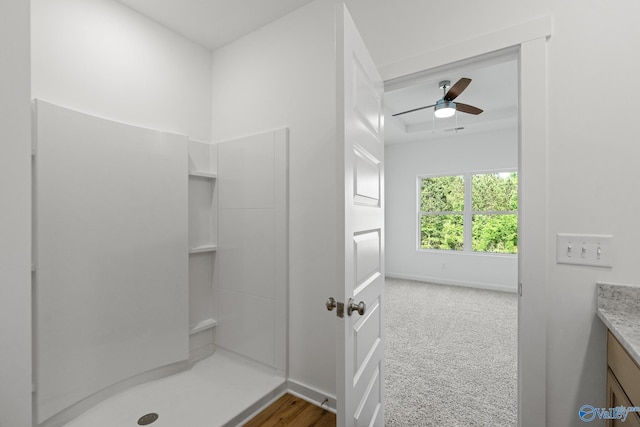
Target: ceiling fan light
445	112
445	109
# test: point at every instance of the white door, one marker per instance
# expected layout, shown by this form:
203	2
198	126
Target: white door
360	372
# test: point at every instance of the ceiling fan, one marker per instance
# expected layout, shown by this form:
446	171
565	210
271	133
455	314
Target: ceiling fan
445	107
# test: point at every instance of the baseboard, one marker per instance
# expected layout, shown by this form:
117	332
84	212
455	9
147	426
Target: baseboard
312	395
440	281
295	388
259	406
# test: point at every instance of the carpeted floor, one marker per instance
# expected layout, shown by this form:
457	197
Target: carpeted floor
451	356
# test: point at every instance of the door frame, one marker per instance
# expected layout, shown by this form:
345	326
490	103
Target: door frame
529	40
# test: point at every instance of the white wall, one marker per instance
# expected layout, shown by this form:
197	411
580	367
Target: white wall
447	155
15	218
592	155
100	57
283	75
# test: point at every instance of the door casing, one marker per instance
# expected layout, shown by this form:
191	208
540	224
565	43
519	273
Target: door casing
529	41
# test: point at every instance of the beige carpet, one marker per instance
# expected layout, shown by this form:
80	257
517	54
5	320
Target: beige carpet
451	356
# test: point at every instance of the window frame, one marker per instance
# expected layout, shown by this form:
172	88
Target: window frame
467	213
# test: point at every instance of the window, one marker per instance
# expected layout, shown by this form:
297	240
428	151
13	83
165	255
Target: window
495	212
442	210
479	208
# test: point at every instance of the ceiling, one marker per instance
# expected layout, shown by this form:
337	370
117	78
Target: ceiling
494	86
214	23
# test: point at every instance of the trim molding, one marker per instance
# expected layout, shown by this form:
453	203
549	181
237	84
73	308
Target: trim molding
480	45
259	406
439	281
297	389
312	395
530	40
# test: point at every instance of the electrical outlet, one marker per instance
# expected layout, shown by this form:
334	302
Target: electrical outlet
585	249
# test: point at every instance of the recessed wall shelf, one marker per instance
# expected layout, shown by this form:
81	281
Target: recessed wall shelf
204	325
203	239
205	248
203	174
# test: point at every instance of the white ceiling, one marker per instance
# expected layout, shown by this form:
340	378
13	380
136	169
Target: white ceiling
494	86
214	23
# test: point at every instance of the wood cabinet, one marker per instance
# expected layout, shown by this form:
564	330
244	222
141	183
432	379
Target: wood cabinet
623	382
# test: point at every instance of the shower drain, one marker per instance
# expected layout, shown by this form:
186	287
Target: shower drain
147	419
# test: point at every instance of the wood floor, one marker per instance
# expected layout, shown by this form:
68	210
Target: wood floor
293	411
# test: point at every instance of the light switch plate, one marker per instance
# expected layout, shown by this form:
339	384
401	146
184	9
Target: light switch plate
585	249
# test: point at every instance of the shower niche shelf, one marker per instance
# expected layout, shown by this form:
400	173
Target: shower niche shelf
202	212
204	248
203	174
203	326
203	238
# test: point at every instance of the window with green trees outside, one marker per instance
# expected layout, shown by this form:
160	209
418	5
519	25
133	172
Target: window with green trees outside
480	208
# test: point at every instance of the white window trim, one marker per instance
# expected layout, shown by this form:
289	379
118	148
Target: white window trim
467	213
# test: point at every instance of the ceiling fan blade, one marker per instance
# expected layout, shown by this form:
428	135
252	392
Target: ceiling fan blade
466	108
457	89
415	109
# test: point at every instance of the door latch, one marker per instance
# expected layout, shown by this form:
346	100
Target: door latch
332	303
360	308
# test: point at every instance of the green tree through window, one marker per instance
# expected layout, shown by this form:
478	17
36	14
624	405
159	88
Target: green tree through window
490	218
442	206
495	206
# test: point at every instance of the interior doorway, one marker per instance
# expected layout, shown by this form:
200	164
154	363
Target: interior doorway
463	146
452	182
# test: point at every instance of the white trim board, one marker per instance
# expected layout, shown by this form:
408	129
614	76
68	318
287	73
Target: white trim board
259	406
294	388
533	225
312	395
530	41
438	281
480	45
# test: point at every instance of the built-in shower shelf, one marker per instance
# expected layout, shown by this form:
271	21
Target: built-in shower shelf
204	325
204	248
203	174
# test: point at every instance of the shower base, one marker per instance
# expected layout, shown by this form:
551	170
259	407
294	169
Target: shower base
221	390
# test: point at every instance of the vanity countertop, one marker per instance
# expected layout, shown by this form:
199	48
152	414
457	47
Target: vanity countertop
619	308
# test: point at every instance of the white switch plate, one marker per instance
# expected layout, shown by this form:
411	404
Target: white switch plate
585	249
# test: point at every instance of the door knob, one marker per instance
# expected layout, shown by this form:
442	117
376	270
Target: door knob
361	307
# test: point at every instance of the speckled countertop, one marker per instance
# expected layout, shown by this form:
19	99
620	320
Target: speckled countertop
619	308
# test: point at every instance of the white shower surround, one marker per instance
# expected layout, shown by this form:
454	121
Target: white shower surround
111	268
112	216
